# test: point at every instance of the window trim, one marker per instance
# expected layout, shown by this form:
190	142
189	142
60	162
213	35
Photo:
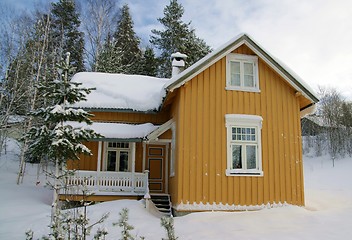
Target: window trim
173	150
118	150
242	58
243	120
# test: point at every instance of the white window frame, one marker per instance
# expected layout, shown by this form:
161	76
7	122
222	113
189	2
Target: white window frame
242	58
118	150
243	121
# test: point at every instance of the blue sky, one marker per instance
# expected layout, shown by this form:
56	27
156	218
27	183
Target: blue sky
312	37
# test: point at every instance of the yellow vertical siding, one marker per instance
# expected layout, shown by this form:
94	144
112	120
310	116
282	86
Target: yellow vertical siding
86	162
201	140
89	163
206	136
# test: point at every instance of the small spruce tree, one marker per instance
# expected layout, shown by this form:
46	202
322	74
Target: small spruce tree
126	227
53	138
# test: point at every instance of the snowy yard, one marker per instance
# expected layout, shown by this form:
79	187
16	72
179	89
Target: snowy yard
327	214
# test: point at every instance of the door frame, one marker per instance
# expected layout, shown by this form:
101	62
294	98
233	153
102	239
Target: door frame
166	157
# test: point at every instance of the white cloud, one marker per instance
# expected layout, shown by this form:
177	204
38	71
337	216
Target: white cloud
313	37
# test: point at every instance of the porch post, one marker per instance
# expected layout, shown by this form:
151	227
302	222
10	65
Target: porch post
144	155
133	156
97	179
99	156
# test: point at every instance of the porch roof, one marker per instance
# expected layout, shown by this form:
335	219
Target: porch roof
118	131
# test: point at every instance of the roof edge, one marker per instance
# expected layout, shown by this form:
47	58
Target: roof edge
121	110
295	81
284	69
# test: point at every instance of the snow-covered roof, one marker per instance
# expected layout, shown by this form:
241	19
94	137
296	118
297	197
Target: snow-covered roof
291	77
121	91
144	93
117	130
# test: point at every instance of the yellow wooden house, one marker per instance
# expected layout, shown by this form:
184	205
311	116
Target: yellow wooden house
223	134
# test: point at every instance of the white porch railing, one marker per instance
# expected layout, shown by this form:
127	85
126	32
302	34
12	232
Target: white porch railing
107	183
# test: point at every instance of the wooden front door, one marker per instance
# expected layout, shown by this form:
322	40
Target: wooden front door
156	166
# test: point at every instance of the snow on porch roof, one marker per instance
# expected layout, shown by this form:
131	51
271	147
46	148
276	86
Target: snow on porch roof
119	131
120	91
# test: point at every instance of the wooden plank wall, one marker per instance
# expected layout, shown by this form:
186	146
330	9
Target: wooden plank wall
86	162
131	117
201	140
89	163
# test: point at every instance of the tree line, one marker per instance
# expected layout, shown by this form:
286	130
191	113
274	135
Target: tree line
100	36
329	130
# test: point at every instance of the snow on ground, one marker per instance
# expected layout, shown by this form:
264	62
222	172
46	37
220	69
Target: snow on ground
327	214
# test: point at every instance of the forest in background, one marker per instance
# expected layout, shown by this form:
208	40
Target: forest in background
98	34
35	72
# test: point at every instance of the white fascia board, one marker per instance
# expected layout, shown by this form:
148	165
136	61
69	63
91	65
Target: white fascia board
160	130
281	73
228	48
212	58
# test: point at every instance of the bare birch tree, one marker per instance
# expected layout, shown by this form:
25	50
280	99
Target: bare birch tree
99	20
15	31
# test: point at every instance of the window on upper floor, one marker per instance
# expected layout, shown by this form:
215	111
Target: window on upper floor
242	72
243	145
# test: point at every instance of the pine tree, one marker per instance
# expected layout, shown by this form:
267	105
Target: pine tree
108	60
121	53
66	36
177	36
149	63
54	138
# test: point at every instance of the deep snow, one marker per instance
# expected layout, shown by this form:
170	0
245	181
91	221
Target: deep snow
327	215
121	91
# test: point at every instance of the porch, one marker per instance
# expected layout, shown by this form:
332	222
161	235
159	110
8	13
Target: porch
119	166
106	183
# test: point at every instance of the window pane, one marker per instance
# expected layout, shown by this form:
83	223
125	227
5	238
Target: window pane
248	81
123	162
235	80
235	74
248	68
235	67
236	156
251	157
248	137
111	163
